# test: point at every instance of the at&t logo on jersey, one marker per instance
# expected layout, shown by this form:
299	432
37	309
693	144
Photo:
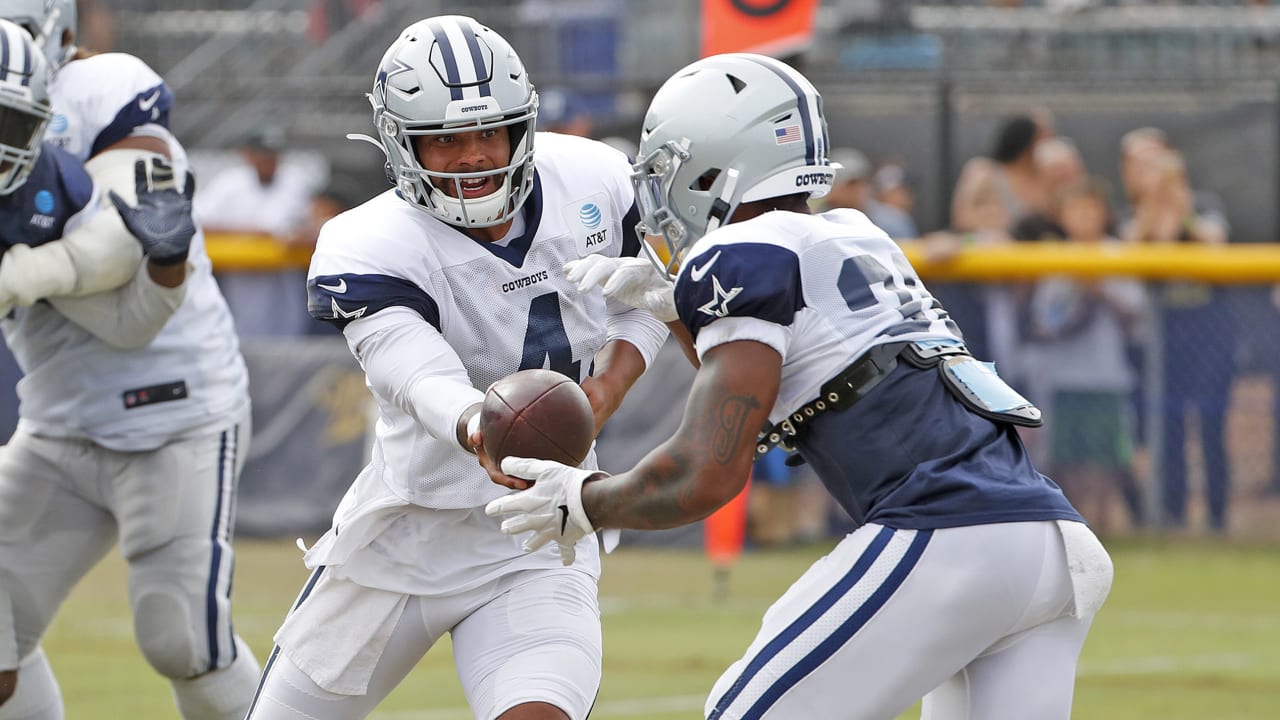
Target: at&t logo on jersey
592	216
44	206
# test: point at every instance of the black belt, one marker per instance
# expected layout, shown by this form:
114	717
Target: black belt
852	384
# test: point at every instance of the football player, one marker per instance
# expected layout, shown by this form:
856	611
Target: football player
442	285
130	429
110	110
971	580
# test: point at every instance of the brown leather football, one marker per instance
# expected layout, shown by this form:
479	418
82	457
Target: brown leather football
537	414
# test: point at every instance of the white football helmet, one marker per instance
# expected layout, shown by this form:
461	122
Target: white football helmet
445	75
24	105
51	23
725	130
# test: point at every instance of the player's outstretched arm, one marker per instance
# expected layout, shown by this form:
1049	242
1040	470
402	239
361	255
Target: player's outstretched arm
685	479
129	317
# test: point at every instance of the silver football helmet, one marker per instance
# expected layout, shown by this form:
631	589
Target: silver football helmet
24	105
51	23
446	75
725	130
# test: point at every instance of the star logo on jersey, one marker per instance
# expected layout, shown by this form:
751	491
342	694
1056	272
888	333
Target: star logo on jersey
340	314
719	305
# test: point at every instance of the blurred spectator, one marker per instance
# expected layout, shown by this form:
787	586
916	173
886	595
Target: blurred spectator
1197	338
885	197
1077	361
992	195
1010	170
1061	168
851	188
561	110
894	202
261	195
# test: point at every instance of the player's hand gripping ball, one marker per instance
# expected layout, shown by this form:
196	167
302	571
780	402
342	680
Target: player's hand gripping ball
537	414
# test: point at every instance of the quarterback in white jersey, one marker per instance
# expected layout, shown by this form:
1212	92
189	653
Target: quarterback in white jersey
443	285
125	433
971	581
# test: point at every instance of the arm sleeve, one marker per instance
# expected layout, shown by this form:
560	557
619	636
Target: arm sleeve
638	327
128	317
409	362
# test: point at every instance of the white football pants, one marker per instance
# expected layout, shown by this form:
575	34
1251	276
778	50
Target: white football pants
533	636
985	622
64	503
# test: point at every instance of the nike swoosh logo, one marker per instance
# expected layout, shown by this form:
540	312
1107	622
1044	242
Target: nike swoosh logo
564	518
147	103
697	273
340	288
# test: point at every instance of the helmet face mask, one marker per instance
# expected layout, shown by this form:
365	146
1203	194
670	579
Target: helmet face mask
24	105
446	76
726	130
48	22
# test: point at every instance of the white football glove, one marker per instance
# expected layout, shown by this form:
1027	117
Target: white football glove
632	281
552	508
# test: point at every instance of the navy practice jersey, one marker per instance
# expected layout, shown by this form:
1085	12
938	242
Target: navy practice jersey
55	192
823	290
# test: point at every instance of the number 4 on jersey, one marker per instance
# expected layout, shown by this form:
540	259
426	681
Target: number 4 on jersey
545	338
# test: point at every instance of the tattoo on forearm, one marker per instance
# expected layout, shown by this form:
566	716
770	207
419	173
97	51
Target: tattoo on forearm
666	489
727	433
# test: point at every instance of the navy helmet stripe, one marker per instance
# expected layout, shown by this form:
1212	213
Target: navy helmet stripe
847	629
450	62
26	67
4	55
807	126
477	58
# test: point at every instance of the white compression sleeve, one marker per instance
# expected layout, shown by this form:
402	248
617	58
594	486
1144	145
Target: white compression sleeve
128	317
409	362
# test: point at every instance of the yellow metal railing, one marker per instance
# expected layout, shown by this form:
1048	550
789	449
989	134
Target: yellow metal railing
1241	263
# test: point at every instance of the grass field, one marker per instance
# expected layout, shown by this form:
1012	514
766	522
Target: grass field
1191	630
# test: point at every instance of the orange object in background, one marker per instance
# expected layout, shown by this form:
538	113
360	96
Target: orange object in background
770	27
726	530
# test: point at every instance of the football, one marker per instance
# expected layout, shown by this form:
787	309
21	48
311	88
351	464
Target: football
537	414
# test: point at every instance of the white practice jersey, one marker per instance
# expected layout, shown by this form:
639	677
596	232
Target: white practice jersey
819	289
499	308
191	377
489	309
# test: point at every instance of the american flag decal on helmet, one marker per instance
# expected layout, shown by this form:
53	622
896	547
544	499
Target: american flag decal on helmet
788	134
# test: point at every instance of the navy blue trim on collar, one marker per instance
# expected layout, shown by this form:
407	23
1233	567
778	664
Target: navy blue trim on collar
515	251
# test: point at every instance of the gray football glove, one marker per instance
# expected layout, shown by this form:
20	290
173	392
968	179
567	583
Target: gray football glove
161	221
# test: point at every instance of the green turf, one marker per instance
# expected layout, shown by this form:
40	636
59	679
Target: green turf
1190	631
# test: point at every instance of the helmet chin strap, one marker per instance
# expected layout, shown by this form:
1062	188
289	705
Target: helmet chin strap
720	208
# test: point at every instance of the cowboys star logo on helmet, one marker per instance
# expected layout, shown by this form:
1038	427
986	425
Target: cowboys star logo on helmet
443	76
